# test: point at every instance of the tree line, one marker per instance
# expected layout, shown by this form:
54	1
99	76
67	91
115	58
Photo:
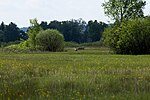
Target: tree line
73	30
77	30
11	33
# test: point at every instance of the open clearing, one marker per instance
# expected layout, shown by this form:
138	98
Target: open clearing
92	74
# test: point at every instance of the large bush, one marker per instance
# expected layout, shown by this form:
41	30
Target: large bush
132	37
50	40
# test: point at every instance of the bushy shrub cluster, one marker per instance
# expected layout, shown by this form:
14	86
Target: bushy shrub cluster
131	37
50	40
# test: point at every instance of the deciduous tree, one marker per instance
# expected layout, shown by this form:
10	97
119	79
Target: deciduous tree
34	29
120	10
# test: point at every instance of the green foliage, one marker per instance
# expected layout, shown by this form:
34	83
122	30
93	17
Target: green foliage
11	33
33	31
50	40
110	37
77	30
21	47
1	36
120	10
2	26
88	44
71	44
72	30
132	37
94	31
92	44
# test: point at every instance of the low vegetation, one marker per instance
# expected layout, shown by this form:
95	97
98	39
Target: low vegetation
90	74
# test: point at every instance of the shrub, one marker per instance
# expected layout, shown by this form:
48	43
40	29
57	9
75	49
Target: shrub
110	37
50	40
132	37
92	44
71	44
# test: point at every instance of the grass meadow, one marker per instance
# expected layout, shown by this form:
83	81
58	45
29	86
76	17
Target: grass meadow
91	74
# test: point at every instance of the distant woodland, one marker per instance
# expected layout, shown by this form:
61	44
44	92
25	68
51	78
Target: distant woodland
73	30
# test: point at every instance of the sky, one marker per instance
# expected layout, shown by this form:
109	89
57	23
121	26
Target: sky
20	11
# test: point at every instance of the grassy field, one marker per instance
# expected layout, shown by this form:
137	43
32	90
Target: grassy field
91	74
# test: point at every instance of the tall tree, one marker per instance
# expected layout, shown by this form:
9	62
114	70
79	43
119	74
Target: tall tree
120	10
34	29
2	26
55	25
1	36
44	25
73	30
12	33
94	30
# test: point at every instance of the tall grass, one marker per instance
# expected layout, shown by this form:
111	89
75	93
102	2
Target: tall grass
82	75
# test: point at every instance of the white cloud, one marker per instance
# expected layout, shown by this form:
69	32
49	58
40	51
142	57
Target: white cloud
147	7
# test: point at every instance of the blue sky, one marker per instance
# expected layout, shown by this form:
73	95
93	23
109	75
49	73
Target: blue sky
20	11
